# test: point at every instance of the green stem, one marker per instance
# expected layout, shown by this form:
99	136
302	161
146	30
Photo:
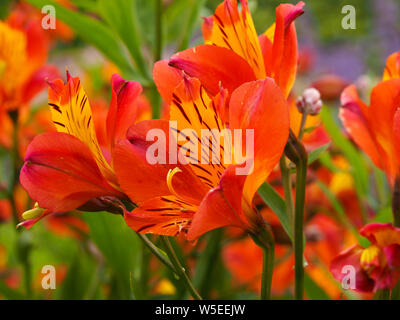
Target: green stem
14	166
205	264
287	187
296	153
396	203
265	240
155	98
179	270
303	123
158	30
156	251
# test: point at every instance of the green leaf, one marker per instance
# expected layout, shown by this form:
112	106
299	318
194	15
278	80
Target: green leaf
95	33
205	263
313	290
277	204
119	245
121	18
193	19
79	276
314	155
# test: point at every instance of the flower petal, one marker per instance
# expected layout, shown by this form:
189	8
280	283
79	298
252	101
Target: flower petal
71	113
37	82
392	68
195	113
221	207
166	79
351	258
166	215
235	30
281	58
353	115
214	67
142	180
385	100
261	106
61	174
381	234
123	112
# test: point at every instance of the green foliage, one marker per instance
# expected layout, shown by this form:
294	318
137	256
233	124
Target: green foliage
119	246
96	33
277	204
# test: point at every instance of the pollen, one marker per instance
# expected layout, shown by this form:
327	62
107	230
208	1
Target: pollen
12	58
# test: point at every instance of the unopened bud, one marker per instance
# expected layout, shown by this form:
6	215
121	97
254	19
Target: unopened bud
310	102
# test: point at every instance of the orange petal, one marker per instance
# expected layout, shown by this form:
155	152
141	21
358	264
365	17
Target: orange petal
281	58
221	207
235	30
166	215
261	106
194	112
71	113
214	67
141	180
353	115
392	68
123	112
385	100
166	79
61	174
38	82
396	131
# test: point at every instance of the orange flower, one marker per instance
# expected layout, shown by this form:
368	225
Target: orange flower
23	52
195	198
376	129
233	54
67	169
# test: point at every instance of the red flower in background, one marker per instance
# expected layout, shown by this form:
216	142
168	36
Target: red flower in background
378	266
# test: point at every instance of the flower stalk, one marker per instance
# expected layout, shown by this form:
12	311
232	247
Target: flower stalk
265	240
179	269
396	203
295	151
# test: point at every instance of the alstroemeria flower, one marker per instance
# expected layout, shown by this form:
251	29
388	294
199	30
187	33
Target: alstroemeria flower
376	267
23	51
376	129
195	198
234	54
68	169
24	47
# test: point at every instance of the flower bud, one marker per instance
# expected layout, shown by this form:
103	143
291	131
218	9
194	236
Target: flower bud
310	102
